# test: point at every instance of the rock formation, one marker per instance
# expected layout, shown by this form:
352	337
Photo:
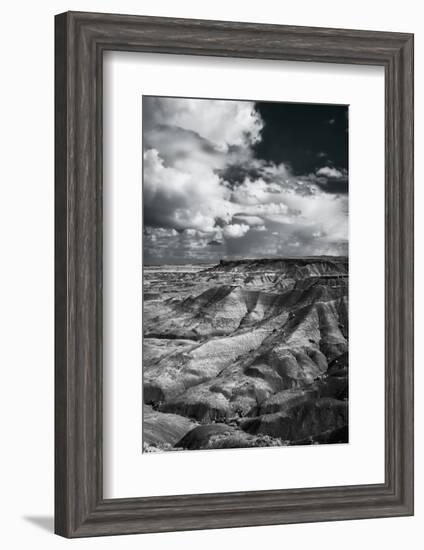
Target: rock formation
246	353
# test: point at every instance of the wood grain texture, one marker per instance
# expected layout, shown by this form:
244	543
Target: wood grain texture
81	39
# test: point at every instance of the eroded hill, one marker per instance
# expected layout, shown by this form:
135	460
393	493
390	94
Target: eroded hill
246	353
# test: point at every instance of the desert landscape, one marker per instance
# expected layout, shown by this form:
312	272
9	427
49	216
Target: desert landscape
245	353
245	278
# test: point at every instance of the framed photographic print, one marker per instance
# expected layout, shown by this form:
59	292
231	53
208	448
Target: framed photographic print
245	314
234	274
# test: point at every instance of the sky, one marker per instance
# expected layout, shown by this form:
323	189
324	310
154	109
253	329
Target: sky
226	179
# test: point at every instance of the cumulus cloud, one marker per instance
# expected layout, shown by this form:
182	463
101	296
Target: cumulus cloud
177	146
252	221
223	123
186	143
330	179
253	192
188	197
235	230
329	172
206	195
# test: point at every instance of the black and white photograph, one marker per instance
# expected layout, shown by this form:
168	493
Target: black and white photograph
245	276
245	252
210	259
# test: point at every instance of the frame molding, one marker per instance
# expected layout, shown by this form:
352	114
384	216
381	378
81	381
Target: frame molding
80	40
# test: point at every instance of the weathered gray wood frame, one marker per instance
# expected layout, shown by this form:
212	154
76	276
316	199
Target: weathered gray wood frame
81	39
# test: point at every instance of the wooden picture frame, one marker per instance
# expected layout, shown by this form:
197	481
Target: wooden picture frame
81	39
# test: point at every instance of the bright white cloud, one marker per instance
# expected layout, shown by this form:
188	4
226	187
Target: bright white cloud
223	123
235	230
253	192
174	198
329	172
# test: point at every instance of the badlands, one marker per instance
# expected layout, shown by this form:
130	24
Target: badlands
245	353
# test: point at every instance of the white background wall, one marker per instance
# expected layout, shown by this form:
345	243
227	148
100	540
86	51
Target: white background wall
26	286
